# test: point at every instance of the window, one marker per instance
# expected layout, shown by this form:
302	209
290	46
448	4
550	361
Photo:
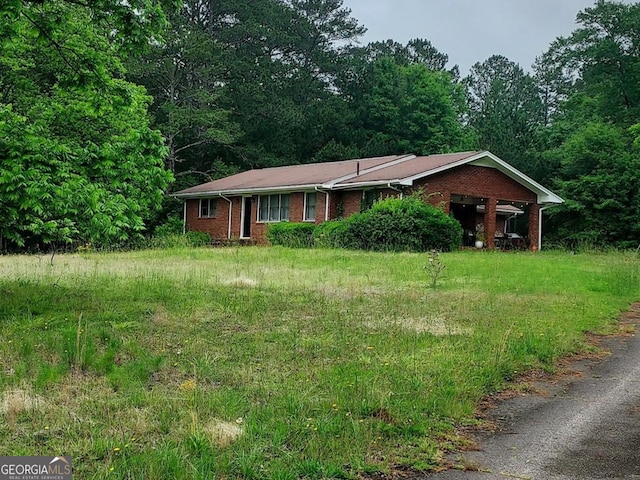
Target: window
368	199
208	207
273	208
310	199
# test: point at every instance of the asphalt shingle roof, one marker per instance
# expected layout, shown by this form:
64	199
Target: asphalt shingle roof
289	176
357	173
410	167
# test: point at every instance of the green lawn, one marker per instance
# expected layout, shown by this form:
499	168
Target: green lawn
277	363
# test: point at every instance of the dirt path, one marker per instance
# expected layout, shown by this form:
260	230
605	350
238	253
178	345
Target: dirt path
584	426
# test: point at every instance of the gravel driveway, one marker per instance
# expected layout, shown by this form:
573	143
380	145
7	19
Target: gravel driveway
585	425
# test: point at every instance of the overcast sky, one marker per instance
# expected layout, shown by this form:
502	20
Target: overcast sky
470	31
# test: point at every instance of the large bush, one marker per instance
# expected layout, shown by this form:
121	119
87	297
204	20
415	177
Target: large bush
331	234
407	224
297	235
174	225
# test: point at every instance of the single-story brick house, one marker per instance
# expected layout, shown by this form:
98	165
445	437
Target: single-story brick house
471	186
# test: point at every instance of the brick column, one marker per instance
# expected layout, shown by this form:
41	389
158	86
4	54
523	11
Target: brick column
446	202
534	226
490	223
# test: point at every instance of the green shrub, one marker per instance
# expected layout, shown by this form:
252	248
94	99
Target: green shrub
296	235
407	224
198	239
331	234
173	226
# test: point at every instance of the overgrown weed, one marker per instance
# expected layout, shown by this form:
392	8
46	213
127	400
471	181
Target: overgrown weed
327	364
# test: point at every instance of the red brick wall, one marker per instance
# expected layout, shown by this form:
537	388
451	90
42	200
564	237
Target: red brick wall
218	227
296	207
483	182
321	202
352	200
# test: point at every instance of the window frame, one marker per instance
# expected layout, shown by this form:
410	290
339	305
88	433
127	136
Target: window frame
273	213
369	198
306	216
211	208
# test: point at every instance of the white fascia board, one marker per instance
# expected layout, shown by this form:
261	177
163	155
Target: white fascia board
248	191
390	163
544	195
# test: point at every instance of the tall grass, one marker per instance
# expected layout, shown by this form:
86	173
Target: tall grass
279	363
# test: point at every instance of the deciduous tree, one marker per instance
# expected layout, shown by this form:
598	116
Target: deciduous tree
78	159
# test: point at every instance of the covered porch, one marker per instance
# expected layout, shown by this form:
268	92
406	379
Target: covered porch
491	220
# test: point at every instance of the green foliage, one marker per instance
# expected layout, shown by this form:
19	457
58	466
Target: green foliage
326	354
434	267
270	85
198	239
296	235
505	110
186	92
173	226
79	160
418	51
132	24
331	234
603	51
599	176
590	82
407	108
407	224
234	83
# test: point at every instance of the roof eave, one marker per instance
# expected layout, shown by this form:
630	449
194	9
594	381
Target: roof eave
246	191
544	195
550	200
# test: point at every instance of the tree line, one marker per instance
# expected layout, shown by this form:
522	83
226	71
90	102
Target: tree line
106	105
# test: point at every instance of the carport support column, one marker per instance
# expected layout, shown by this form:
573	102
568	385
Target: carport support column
446	202
534	227
490	223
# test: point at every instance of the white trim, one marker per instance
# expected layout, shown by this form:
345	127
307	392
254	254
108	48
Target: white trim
542	209
408	181
184	217
484	159
280	219
230	211
547	195
326	206
543	194
304	207
248	191
211	213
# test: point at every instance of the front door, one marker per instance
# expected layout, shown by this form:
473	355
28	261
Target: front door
466	215
246	218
